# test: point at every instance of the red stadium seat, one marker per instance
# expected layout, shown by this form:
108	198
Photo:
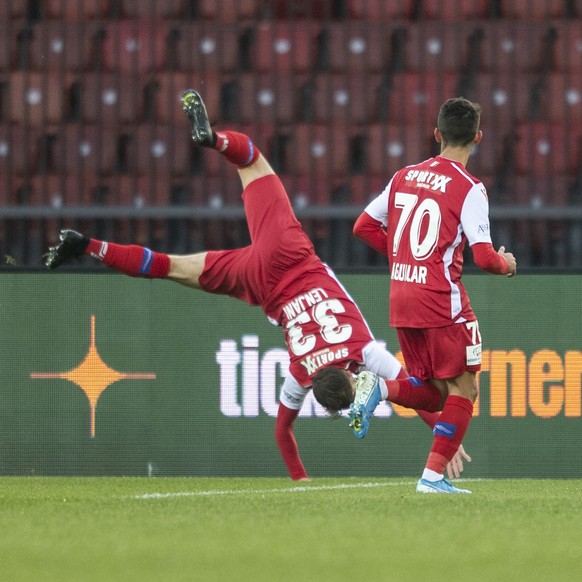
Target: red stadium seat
504	100
67	10
486	158
451	10
228	10
267	98
348	98
35	99
358	46
203	47
59	45
516	46
135	46
568	49
63	190
18	149
374	10
563	98
415	98
318	150
153	8
533	9
9	33
85	148
216	191
13	9
160	150
111	99
540	191
363	189
284	47
544	149
391	147
437	46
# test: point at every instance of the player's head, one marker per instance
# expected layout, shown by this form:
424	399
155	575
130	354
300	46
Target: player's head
334	389
458	123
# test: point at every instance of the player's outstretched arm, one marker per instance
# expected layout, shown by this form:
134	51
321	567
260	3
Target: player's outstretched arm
287	443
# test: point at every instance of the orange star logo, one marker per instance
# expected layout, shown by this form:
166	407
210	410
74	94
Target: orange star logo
93	376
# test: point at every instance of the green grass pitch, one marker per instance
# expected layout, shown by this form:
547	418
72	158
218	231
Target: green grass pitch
190	529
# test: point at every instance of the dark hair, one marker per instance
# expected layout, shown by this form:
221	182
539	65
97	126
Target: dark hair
458	121
332	389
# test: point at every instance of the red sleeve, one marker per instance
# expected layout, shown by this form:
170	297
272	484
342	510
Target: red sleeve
287	443
371	232
488	259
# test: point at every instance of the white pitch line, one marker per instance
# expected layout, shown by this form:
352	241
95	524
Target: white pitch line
298	489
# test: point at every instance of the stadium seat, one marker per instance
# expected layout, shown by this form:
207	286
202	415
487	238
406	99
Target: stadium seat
391	147
345	98
538	191
267	98
160	150
153	8
110	99
453	10
216	191
203	47
13	9
318	150
374	10
355	47
486	157
9	34
35	99
228	10
417	97
437	46
18	149
562	98
284	47
135	46
568	48
504	98
517	46
67	10
59	45
85	148
545	149
533	9
364	189
62	190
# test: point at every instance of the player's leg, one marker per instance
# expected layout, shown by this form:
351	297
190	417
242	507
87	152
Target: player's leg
455	347
236	147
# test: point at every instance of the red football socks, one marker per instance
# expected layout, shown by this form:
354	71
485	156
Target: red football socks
412	392
449	431
130	259
236	148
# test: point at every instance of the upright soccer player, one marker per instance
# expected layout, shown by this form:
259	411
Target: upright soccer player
280	272
422	221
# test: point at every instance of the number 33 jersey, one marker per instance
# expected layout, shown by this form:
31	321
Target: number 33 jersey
430	211
323	326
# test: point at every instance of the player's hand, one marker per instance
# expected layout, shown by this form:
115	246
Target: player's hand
511	262
455	466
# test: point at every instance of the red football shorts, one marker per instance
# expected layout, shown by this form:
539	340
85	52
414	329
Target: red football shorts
441	352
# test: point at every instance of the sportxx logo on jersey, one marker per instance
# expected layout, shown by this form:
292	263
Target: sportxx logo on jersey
423	179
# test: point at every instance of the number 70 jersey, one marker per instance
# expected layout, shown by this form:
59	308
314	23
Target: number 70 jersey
430	211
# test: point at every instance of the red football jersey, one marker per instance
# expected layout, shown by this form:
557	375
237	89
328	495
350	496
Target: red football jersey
323	326
430	211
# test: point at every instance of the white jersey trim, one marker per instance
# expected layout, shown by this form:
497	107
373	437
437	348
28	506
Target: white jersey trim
456	301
